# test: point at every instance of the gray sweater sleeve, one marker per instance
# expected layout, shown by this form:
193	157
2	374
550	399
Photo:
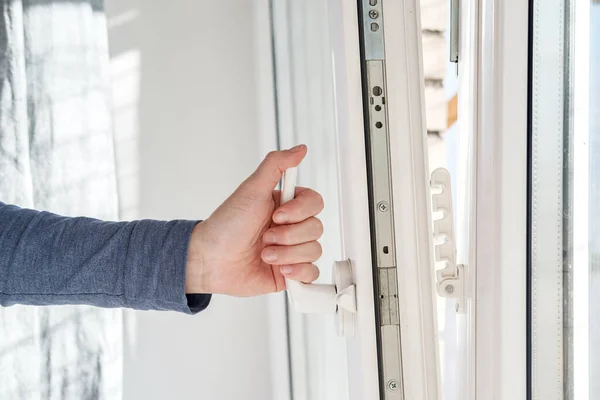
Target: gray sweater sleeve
47	259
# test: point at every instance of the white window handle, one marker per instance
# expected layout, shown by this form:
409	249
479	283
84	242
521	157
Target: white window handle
338	298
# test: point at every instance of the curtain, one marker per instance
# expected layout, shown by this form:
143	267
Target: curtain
57	154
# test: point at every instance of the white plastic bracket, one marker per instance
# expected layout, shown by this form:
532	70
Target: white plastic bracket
338	298
450	279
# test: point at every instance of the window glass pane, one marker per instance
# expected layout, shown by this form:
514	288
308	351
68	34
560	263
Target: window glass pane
582	252
564	245
594	196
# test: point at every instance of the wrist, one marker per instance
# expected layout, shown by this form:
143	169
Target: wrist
196	273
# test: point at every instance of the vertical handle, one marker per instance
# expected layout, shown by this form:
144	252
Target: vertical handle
288	189
308	298
338	298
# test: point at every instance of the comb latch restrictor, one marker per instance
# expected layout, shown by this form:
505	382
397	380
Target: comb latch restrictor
450	279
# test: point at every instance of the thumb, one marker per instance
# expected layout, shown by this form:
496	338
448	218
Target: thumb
269	172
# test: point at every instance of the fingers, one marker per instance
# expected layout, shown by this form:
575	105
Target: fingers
306	204
269	172
306	273
287	255
303	232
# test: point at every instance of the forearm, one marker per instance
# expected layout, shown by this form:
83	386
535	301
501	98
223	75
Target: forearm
46	259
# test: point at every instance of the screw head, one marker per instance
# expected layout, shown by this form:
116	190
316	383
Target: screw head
449	289
393	385
382	206
373	14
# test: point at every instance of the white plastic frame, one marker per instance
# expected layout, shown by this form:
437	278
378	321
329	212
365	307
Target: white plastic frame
581	180
492	199
363	373
468	90
412	200
495	115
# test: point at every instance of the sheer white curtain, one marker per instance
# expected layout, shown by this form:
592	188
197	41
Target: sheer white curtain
56	154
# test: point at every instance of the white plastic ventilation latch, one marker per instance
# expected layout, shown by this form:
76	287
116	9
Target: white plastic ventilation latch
338	298
450	279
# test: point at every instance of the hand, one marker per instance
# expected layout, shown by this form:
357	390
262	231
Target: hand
248	245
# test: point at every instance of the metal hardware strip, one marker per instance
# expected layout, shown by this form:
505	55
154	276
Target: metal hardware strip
380	180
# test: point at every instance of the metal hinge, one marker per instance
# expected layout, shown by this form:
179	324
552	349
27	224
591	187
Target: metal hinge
450	279
454	30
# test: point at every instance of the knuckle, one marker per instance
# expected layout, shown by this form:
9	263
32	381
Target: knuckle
271	156
284	235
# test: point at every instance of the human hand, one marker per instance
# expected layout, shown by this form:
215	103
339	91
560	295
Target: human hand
250	243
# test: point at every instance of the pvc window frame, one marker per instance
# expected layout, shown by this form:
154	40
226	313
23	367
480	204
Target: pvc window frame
493	99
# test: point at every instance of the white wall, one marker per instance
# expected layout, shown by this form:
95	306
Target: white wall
184	95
